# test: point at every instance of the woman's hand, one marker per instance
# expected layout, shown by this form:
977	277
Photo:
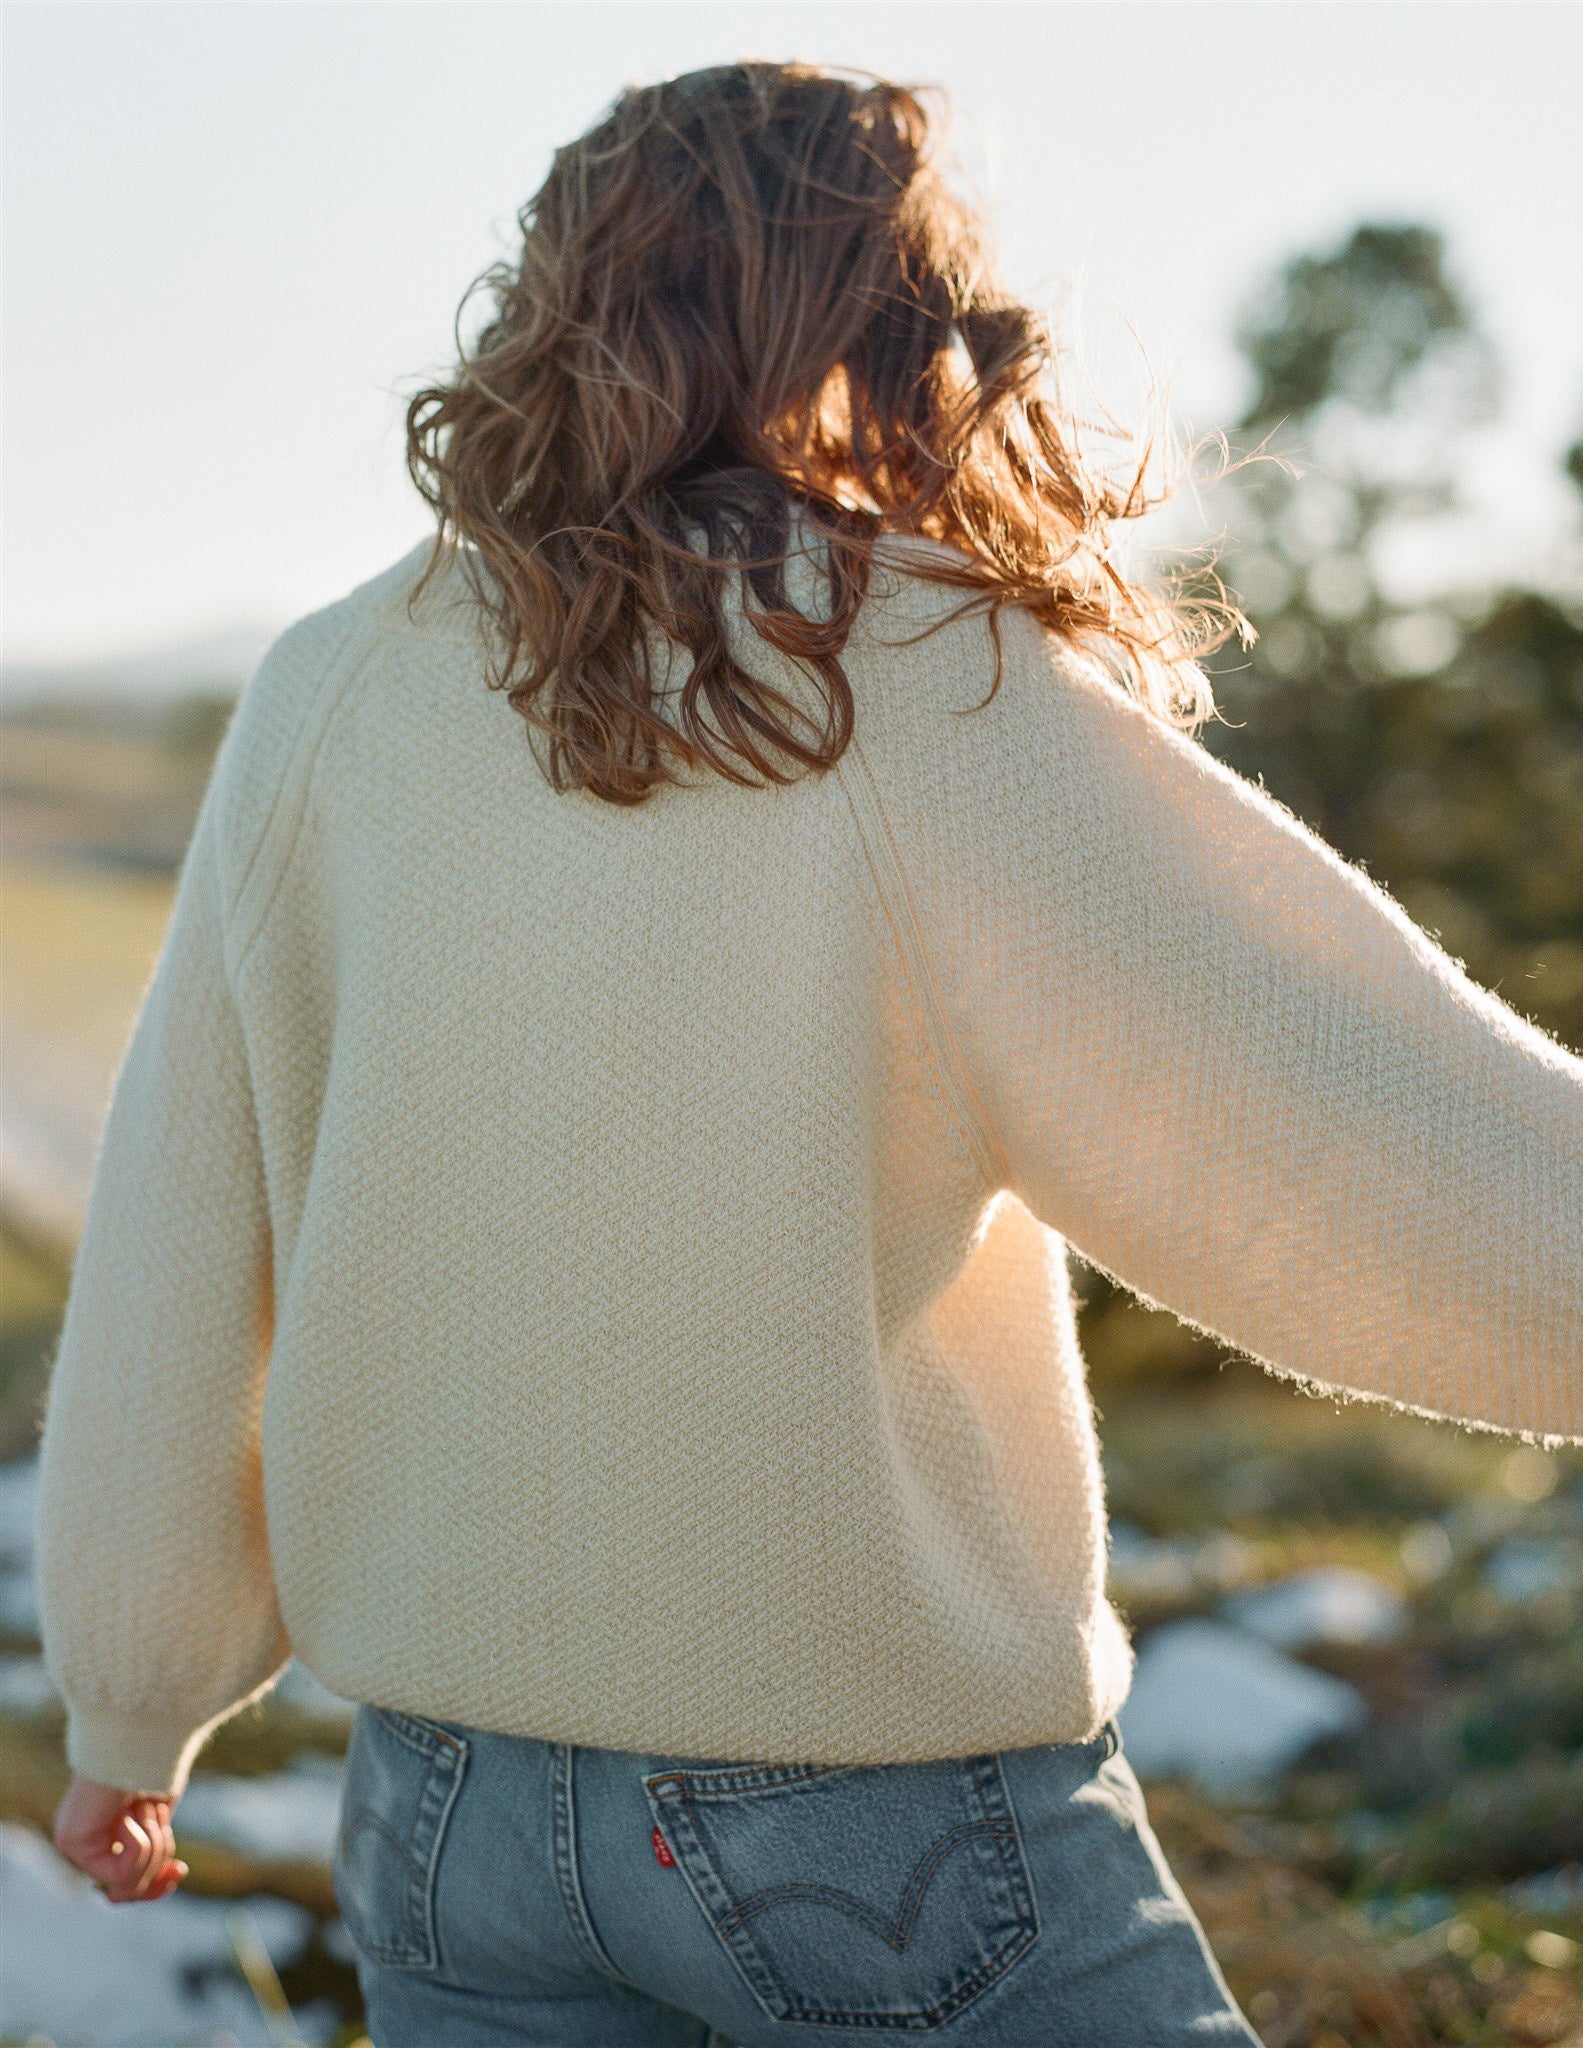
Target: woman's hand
121	1839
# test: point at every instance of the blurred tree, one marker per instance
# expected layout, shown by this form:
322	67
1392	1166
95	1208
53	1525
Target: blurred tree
1435	737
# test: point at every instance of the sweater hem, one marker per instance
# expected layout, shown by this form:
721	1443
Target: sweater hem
146	1754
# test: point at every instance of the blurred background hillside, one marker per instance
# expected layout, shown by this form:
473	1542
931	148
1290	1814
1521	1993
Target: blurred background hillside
1359	1708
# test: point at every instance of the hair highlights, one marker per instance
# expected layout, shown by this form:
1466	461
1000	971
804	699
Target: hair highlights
744	291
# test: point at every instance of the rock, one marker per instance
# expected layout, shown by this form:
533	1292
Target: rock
1161	1571
1480	1519
1419	1911
1548	1891
338	1942
18	1602
18	1504
1525	1568
74	1968
286	1816
1331	1604
1149	1570
25	1686
298	1687
1223	1560
18	1499
1362	1830
1218	1705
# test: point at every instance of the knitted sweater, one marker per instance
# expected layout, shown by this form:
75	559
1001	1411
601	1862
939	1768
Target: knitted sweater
599	1273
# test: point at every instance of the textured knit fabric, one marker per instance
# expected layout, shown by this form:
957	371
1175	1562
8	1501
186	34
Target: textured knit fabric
599	1273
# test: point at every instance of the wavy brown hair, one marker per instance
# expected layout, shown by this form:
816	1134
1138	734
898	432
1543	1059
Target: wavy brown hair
746	292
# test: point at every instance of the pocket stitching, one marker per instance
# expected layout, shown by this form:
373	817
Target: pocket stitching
446	1758
895	1933
423	1736
727	1780
401	1953
670	1793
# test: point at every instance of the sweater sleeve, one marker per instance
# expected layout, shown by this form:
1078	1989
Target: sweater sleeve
159	1616
1229	1069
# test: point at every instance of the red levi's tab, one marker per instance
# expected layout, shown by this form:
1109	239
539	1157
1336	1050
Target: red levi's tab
662	1851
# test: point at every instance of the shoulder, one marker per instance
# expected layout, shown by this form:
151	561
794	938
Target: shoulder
1001	714
286	706
446	606
922	657
388	602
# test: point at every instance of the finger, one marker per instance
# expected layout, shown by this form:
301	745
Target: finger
146	1874
133	1851
165	1882
153	1813
159	1862
155	1816
155	1888
123	1841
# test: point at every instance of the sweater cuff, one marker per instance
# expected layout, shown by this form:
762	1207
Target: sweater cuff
133	1752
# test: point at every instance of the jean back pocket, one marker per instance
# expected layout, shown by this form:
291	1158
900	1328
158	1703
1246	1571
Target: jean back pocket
884	1895
402	1777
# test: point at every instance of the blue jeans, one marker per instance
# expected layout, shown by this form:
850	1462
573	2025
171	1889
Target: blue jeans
500	1889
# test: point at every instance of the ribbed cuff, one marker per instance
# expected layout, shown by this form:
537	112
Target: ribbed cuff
135	1753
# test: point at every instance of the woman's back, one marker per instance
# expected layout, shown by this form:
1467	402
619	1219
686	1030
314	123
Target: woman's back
578	1247
648	1214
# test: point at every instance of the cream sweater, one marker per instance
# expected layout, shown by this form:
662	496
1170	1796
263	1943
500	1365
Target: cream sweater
600	1273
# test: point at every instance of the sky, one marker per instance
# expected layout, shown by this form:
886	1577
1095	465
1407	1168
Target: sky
237	235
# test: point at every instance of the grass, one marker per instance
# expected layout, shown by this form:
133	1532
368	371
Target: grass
32	1296
80	944
1364	1904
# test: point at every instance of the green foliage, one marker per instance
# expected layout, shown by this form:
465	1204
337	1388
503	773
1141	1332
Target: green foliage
1435	737
1460	791
1435	740
1353	325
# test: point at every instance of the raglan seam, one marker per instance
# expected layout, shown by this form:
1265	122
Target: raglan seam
267	864
895	893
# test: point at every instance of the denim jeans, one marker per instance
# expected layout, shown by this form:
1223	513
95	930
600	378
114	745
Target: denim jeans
500	1889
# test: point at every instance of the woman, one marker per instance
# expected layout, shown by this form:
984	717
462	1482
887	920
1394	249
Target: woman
647	1175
